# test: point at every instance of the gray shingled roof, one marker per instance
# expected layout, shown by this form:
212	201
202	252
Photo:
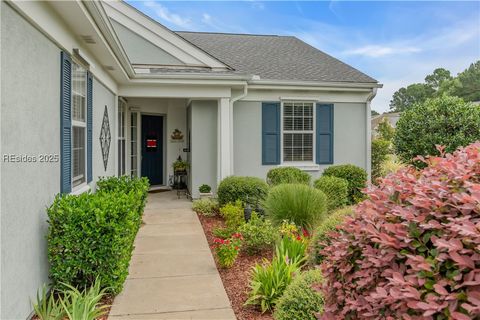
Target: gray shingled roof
275	57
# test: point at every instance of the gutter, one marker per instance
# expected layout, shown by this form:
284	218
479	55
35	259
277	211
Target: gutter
368	131
232	101
316	83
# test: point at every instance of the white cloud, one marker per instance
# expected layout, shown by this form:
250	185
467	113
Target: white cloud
375	51
164	14
206	18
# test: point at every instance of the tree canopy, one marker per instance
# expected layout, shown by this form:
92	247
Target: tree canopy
465	85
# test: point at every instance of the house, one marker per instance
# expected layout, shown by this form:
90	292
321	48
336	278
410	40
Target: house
392	118
95	88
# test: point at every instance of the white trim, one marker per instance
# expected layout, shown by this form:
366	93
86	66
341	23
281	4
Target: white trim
368	133
305	166
81	188
266	83
224	132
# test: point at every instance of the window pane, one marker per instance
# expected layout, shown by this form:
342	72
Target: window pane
78	155
79	90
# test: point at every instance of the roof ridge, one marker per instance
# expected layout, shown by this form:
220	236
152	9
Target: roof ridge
234	34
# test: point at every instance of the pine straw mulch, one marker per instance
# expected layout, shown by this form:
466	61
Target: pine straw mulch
235	280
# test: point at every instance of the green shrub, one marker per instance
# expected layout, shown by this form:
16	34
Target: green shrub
126	184
301	301
320	236
236	188
205	206
445	121
336	190
223	233
91	235
269	280
355	176
281	175
380	150
297	203
233	215
205	188
258	234
391	165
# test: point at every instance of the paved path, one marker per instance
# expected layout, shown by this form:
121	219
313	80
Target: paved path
172	272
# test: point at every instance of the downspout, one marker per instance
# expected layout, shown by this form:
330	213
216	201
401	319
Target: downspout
368	131
232	101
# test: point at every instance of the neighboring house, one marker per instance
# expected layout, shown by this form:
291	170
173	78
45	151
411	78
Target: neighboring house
392	118
94	88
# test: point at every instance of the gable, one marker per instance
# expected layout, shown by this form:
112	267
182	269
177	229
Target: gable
141	51
147	42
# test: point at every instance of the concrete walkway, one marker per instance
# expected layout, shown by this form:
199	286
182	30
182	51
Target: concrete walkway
172	272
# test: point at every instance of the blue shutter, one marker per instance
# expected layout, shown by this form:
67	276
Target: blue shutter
324	134
89	125
270	133
66	123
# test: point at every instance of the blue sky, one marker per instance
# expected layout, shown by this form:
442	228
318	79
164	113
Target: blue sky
397	43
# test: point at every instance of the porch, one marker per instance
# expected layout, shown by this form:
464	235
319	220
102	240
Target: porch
153	132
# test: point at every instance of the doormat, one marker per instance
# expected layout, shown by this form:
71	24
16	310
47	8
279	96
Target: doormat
158	190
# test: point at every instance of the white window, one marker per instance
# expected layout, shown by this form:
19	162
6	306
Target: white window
79	124
298	131
121	137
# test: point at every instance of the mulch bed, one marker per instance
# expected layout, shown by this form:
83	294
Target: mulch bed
235	279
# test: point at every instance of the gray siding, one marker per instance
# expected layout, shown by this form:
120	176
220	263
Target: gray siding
204	145
349	137
30	124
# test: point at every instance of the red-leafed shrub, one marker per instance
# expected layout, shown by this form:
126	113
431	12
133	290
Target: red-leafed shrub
412	250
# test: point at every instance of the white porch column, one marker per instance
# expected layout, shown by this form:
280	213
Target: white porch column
224	146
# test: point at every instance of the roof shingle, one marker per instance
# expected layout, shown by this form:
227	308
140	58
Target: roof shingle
275	57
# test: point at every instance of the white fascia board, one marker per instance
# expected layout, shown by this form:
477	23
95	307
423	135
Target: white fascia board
318	96
49	23
160	35
175	91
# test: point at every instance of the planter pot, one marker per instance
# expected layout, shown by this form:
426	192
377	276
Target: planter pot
206	195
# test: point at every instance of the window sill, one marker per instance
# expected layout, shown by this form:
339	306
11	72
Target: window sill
80	189
302	166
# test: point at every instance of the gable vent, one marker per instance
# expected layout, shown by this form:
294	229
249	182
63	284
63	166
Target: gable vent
88	39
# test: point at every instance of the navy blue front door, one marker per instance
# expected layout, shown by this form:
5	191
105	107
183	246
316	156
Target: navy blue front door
152	148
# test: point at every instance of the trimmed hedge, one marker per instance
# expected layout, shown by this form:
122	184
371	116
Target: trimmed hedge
336	190
233	188
281	175
355	176
301	301
91	235
322	234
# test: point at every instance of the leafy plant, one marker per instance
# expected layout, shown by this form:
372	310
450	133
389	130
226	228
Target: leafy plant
233	215
269	280
298	203
223	233
206	206
412	247
205	188
336	190
281	175
245	189
385	130
380	150
227	250
293	248
180	165
46	307
301	301
258	234
91	235
71	303
355	176
446	121
324	232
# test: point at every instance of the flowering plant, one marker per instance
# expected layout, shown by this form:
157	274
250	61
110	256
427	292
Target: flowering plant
227	249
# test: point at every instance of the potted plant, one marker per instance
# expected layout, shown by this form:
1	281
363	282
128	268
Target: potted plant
205	191
180	165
